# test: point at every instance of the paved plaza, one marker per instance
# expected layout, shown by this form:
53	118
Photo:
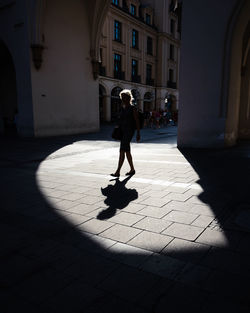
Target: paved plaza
175	237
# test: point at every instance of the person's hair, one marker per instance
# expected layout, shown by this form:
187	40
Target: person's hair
128	93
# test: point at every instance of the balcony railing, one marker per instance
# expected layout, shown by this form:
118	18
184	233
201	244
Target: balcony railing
136	79
171	84
150	81
119	75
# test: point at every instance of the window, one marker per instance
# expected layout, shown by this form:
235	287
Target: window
134	68
148	19
101	55
149	45
171	52
117	63
172	27
149	71
118	31
133	9
171	76
135	39
115	2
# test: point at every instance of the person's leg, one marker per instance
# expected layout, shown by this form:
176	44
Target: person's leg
130	161
120	163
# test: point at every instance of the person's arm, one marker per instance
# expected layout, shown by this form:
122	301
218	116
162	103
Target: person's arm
137	123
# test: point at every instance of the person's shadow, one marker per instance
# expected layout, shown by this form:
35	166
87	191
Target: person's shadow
118	197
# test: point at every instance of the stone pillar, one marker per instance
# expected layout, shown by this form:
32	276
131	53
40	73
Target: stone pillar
107	106
140	104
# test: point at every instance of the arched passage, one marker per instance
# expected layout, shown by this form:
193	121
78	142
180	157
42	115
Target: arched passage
237	122
115	102
8	93
136	95
148	102
102	103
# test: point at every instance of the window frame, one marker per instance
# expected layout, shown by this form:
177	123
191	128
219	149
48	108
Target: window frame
117	63
148	19
149	66
133	9
135	38
171	52
117	31
172	26
149	45
171	75
134	68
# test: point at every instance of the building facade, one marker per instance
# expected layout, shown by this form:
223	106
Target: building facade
50	63
137	53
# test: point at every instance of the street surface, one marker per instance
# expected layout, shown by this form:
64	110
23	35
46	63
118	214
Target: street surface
174	237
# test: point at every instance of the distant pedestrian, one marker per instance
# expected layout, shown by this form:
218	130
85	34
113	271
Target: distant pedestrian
157	118
128	122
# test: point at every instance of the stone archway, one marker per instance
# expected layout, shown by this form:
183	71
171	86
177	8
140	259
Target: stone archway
148	102
244	111
238	86
115	102
136	96
102	103
8	93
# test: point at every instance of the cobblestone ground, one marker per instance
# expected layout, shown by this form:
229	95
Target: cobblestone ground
173	238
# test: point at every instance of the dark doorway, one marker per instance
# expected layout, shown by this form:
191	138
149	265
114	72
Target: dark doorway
8	93
115	103
148	102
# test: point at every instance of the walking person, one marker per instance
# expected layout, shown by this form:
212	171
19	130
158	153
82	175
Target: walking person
128	122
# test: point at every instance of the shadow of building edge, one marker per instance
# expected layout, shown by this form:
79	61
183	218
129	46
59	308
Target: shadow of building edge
41	248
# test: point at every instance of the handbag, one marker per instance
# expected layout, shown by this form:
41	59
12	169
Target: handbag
117	133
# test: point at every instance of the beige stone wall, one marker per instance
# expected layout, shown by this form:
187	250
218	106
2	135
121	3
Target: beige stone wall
65	96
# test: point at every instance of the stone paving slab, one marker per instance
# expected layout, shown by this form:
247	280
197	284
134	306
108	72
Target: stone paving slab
120	233
163	266
150	241
183	231
186	250
95	226
154	211
152	224
126	218
202	221
121	252
135	283
180	217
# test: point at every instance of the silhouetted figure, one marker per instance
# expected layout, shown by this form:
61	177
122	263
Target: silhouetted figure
128	122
